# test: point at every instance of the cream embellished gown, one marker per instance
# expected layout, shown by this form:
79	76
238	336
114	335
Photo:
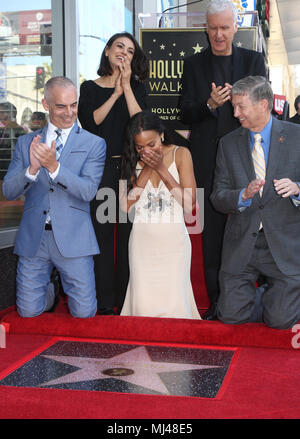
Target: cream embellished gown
159	256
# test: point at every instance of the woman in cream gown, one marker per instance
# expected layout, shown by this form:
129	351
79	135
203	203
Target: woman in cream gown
160	186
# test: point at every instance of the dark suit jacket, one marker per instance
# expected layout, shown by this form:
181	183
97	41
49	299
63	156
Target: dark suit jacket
196	89
295	119
279	216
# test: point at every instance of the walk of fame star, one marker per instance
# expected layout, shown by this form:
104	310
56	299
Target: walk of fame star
145	372
121	367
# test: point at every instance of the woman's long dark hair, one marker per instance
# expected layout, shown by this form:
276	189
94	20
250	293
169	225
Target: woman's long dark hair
139	63
143	121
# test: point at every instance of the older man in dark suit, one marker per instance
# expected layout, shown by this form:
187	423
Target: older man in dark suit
257	186
205	105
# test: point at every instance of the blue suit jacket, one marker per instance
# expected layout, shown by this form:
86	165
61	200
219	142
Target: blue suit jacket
67	197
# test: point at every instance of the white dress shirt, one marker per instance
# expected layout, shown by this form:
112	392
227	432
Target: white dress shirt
50	136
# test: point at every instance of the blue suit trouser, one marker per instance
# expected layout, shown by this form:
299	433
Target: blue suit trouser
76	274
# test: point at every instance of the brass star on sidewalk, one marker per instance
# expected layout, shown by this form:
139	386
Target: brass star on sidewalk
134	366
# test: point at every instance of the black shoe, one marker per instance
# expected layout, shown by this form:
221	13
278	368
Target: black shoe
211	313
56	284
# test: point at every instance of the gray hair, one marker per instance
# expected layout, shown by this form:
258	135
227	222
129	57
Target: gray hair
256	87
56	81
217	6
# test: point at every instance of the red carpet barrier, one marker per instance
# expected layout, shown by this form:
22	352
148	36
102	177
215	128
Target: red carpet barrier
147	329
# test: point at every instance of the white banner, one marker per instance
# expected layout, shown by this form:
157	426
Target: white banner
245	6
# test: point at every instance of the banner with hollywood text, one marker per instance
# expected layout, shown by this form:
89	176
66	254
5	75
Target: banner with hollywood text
167	50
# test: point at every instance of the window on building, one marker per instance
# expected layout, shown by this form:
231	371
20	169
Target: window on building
97	24
25	65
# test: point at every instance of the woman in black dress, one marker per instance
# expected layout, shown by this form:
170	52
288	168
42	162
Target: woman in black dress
105	106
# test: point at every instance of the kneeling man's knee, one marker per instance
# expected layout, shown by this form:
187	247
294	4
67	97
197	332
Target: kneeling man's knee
281	322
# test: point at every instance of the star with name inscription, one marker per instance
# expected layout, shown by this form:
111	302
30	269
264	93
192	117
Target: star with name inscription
134	366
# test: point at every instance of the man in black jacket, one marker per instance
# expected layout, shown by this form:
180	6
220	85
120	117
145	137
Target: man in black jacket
205	105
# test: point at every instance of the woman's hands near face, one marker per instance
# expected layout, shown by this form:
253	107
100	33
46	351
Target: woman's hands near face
118	86
152	157
124	77
125	71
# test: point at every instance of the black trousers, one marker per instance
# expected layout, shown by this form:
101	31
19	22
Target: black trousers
214	221
111	265
212	241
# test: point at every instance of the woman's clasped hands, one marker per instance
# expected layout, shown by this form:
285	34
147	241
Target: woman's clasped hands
124	77
152	157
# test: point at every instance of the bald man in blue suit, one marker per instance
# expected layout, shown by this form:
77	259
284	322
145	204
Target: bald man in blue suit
56	228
